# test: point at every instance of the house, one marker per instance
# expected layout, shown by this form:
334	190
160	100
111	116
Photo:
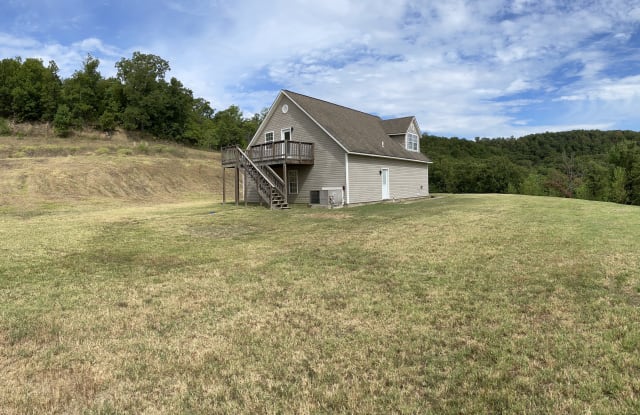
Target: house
314	152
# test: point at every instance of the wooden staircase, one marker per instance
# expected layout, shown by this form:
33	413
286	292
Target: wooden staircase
271	187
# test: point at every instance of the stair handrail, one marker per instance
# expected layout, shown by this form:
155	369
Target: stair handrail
264	176
279	184
264	191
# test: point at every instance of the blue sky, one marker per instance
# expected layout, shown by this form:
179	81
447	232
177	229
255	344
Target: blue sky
486	68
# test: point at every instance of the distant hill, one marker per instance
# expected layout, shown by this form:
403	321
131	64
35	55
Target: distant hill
37	167
584	164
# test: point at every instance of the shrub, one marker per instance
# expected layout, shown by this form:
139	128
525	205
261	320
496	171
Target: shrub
62	121
107	121
142	148
5	129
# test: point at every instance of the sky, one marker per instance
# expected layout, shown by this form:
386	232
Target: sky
485	68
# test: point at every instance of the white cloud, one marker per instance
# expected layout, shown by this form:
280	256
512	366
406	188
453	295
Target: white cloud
462	67
69	58
625	89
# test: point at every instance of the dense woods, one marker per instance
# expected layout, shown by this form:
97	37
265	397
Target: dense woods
139	98
594	165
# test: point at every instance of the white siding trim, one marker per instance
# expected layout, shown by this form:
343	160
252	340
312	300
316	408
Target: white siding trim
346	175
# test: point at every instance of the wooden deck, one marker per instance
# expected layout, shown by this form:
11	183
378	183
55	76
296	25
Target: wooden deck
290	152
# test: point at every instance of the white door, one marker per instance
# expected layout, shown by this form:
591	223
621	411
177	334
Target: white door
384	173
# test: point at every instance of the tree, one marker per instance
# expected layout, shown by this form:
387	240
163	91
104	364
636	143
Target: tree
533	185
62	121
140	76
35	91
618	192
230	128
626	155
200	125
9	69
82	92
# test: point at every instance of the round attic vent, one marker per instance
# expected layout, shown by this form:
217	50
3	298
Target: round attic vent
285	108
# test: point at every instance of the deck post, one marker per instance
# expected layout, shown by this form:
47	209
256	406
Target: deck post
237	185
286	184
244	187
224	194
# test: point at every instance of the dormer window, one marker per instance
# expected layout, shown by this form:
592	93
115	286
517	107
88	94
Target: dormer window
412	142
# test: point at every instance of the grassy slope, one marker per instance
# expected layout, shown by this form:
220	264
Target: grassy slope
40	169
464	304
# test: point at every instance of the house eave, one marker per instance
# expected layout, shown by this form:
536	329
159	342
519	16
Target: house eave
390	157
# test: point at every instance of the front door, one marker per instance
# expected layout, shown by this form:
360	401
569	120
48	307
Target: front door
384	173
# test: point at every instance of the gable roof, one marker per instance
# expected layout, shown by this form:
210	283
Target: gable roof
357	132
397	126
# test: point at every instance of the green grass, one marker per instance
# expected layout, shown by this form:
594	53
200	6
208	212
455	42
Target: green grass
463	304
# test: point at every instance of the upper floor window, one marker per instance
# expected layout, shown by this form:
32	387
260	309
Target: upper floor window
412	142
268	137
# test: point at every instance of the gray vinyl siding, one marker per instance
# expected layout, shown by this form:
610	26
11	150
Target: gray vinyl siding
328	169
406	179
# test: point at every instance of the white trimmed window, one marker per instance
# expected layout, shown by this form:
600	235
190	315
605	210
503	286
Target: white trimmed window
292	178
268	137
412	142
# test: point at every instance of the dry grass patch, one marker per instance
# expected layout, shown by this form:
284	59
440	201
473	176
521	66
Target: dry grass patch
465	304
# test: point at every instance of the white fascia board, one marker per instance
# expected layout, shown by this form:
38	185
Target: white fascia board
415	122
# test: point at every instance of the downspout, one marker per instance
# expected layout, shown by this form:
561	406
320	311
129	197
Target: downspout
346	175
428	194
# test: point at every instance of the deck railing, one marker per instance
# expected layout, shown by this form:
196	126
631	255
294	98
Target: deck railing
289	151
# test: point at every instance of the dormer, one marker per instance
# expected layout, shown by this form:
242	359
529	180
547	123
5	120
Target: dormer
405	131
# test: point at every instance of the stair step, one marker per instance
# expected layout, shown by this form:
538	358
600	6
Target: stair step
265	190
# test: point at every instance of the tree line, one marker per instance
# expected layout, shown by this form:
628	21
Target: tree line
584	164
596	165
139	98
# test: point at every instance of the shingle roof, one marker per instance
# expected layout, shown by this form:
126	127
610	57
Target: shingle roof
356	131
397	126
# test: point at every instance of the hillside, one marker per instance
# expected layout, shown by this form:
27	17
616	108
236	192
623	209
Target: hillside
36	167
582	164
459	304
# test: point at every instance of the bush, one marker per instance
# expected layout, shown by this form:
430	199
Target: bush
62	121
4	127
107	121
142	148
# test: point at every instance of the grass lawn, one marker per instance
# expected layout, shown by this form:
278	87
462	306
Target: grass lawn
462	304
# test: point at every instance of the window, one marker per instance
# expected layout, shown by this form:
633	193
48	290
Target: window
314	197
292	180
285	134
412	142
268	137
